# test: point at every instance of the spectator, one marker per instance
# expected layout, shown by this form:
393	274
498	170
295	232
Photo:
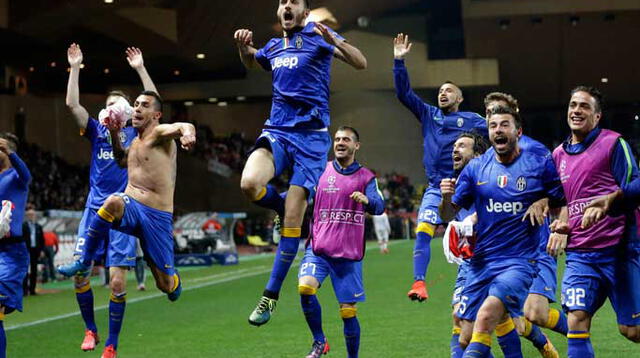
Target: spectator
32	233
50	251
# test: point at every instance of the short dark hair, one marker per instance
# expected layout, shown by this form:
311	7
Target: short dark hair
502	97
593	92
307	4
353	130
480	145
507	110
120	94
13	140
158	100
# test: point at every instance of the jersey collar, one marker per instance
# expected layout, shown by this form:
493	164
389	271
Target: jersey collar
582	146
348	170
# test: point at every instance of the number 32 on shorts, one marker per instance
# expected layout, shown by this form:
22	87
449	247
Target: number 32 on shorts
574	297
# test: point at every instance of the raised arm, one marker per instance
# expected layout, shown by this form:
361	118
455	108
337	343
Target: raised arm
79	113
244	41
134	57
342	49
185	131
447	208
406	95
21	168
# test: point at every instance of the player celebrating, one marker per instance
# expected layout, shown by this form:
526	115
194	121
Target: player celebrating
542	292
469	145
501	186
105	178
146	206
14	257
592	162
295	135
440	127
346	191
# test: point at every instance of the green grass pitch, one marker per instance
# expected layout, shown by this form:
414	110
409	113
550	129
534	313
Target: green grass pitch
210	319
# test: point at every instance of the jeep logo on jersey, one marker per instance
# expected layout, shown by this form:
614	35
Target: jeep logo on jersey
105	154
287	62
521	184
513	207
502	181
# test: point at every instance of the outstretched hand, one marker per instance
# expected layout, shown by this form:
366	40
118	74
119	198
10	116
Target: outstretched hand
328	36
401	46
134	57
243	38
188	141
74	55
537	212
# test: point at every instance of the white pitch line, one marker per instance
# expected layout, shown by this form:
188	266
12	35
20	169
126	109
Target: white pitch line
138	299
155	295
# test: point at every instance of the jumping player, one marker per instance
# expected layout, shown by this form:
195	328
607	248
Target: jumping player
346	191
441	126
146	206
501	185
105	178
295	136
14	257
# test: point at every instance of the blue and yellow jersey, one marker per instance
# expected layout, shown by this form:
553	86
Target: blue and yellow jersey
14	186
501	195
301	71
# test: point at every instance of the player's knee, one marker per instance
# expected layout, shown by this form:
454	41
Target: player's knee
464	339
537	316
117	284
631	333
307	290
348	311
164	284
114	205
251	187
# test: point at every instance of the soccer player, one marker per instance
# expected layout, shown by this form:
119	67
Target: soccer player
469	145
592	162
295	136
383	229
346	190
146	206
441	126
14	257
501	185
105	178
537	312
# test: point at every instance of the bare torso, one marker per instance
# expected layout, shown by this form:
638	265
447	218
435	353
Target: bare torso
152	172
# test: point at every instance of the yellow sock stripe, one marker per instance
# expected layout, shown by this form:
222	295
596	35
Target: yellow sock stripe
176	282
348	312
307	290
118	299
84	288
504	328
483	338
291	232
1	316
427	228
554	317
456	330
261	194
105	214
527	327
579	335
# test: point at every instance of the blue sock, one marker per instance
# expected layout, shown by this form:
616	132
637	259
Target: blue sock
352	336
421	255
287	250
534	334
557	322
454	345
84	296
270	199
117	305
3	340
509	339
477	350
313	315
97	232
579	345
